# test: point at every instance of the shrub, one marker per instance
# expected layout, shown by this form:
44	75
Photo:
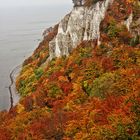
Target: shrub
135	41
38	73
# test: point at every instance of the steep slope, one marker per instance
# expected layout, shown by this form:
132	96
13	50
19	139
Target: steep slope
82	23
86	89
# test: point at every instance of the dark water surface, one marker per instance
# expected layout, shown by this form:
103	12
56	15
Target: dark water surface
20	31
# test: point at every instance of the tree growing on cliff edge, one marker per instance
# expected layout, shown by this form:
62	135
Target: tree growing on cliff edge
84	2
78	2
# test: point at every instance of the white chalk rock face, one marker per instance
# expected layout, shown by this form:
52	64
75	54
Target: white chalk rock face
129	21
83	23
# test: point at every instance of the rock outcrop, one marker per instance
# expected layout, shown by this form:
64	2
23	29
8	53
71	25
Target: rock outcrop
83	23
135	25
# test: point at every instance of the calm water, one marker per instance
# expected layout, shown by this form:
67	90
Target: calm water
20	32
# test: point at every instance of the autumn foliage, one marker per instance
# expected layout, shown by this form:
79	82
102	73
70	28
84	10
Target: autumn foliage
93	94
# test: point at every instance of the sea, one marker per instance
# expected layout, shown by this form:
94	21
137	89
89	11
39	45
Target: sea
21	31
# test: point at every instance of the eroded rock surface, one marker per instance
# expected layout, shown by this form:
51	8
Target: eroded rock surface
83	23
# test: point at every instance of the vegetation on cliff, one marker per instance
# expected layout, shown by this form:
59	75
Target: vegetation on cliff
94	93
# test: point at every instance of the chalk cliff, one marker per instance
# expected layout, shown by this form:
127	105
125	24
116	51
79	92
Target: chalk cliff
83	23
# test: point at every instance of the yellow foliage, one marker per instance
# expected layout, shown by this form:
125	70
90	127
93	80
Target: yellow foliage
76	87
62	78
20	108
72	75
69	106
131	1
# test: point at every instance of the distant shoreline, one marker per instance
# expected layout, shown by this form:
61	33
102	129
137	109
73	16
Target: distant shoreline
12	89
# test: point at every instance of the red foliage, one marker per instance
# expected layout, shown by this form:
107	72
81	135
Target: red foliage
106	107
107	64
28	103
4	134
66	87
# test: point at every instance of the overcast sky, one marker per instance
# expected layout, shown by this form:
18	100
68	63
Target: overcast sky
8	3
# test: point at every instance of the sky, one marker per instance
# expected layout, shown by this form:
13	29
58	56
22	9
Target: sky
11	3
